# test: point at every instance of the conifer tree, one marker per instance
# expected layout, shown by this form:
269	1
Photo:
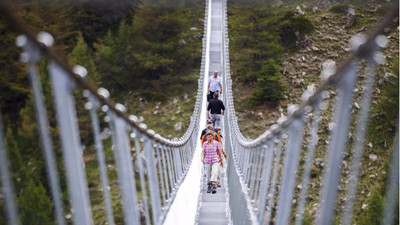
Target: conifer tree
18	168
270	88
157	30
114	59
81	55
35	205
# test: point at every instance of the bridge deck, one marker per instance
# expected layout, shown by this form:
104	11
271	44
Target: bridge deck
213	206
213	209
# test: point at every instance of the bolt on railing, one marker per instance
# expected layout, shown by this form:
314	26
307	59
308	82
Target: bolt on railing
143	158
263	173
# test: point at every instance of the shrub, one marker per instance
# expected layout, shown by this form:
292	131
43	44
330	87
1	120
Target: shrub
289	25
339	9
270	89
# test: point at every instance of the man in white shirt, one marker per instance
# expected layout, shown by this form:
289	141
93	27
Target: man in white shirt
214	85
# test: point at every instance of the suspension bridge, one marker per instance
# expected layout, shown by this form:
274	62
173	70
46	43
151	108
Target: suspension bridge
161	181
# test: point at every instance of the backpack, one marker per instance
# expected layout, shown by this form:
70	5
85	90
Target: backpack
215	137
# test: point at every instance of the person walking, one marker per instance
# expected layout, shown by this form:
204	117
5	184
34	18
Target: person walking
221	165
219	132
215	110
210	129
219	138
214	85
211	156
203	132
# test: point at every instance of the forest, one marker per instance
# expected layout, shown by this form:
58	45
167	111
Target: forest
135	49
147	53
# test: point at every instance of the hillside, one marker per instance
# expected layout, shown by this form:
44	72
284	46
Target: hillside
301	66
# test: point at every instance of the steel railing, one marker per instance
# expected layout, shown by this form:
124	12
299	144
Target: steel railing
157	163
261	173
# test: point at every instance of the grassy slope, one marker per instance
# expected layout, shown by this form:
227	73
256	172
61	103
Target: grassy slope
301	68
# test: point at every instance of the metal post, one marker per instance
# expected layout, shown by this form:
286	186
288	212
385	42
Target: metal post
307	168
163	165
271	195
292	156
6	182
362	121
265	178
48	151
153	182
100	158
71	143
336	146
126	177
392	189
135	136
169	163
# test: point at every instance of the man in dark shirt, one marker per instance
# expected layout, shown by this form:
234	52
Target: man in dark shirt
209	123
215	110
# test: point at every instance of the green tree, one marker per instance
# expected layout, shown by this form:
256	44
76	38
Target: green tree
81	55
156	30
156	50
270	89
114	59
18	169
254	35
35	205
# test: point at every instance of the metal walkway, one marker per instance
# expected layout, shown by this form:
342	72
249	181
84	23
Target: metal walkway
216	38
213	207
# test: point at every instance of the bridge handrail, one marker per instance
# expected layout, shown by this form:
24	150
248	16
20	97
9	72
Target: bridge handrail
162	161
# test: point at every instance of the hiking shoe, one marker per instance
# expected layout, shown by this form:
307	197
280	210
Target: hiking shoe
214	189
209	188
